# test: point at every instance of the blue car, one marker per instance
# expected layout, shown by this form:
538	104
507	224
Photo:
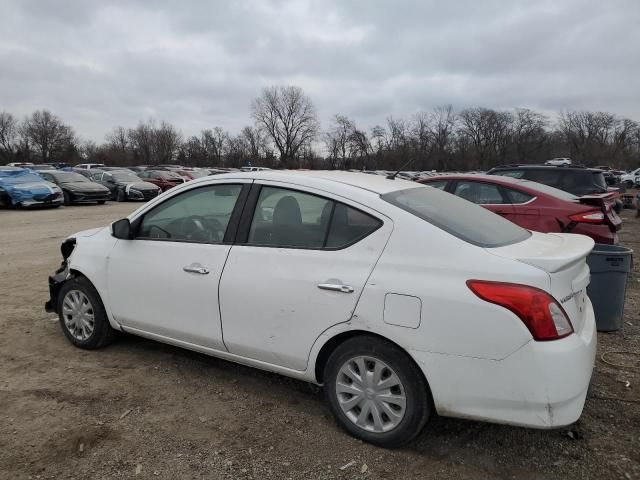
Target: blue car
21	187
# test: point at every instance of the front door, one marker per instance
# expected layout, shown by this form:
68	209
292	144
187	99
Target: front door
165	281
301	268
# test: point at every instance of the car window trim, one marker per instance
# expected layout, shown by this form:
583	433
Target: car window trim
232	226
242	238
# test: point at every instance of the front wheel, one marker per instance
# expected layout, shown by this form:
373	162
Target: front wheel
67	198
121	196
101	202
376	391
82	315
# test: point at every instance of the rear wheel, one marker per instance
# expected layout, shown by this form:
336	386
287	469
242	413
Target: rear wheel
376	391
82	315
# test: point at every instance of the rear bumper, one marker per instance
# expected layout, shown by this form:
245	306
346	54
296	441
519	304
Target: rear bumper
599	233
541	385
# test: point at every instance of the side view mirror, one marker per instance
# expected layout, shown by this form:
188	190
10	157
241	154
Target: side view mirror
121	229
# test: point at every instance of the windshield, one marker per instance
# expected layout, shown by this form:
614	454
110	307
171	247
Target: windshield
198	173
125	177
554	192
66	177
168	175
462	219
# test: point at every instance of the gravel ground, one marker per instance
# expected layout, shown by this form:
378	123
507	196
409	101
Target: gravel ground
139	408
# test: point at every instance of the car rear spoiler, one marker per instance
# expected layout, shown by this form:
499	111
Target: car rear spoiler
606	200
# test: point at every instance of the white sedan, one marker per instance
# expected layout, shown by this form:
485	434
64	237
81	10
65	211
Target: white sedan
402	300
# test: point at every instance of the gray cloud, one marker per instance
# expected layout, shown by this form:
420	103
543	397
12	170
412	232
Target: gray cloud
199	64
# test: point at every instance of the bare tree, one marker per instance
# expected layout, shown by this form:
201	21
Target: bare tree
47	134
288	117
166	142
118	139
256	143
338	141
588	134
488	131
529	133
141	141
443	123
8	136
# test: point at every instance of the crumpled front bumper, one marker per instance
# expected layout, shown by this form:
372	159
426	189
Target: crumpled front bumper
55	283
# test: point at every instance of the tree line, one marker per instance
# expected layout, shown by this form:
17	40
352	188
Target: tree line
285	133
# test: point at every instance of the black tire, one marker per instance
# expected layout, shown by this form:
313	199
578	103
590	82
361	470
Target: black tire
416	390
101	202
628	183
67	198
102	333
121	196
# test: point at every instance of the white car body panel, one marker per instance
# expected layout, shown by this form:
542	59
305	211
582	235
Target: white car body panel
633	177
479	358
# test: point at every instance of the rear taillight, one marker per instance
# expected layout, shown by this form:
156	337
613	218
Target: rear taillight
539	311
591	216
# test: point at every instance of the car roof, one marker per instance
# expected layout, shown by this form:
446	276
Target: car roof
372	183
555	168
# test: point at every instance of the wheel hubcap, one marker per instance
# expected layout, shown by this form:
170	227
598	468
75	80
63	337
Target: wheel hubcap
370	394
78	315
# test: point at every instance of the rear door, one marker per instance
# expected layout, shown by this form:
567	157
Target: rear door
301	260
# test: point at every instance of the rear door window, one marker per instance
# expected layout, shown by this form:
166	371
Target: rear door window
292	219
466	221
517	197
480	193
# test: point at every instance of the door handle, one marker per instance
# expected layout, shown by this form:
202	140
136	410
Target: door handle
196	268
336	288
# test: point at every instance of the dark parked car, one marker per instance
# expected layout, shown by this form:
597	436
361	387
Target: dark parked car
573	179
76	188
535	206
163	179
125	185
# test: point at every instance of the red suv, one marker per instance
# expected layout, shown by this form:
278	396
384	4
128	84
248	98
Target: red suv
163	179
535	206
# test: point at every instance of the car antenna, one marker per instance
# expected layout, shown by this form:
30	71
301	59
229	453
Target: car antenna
395	174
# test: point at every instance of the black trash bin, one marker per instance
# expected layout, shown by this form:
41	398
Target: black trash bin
610	266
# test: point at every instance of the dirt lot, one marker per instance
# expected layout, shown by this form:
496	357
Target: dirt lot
146	409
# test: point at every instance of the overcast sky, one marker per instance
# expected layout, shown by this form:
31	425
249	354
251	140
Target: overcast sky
199	64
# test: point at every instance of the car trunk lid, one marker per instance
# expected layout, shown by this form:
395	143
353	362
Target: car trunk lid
563	257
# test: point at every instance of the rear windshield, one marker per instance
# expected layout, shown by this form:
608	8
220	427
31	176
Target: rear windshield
554	192
465	220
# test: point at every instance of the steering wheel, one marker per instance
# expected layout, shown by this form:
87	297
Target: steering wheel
200	229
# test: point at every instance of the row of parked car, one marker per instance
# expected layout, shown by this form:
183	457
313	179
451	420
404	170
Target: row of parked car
29	185
545	198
